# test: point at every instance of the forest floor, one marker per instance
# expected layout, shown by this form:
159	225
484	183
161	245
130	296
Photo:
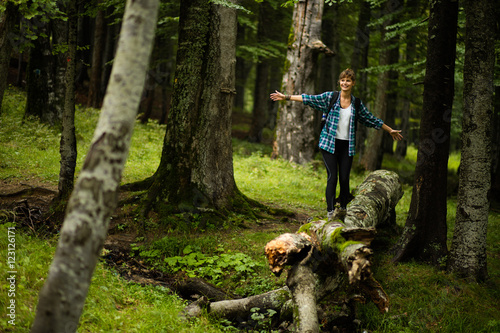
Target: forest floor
29	203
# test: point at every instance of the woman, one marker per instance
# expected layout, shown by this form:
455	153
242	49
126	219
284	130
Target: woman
338	137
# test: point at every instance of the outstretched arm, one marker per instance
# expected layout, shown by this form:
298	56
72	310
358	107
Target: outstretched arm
277	96
396	134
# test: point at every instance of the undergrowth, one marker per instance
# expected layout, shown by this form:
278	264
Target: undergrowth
423	299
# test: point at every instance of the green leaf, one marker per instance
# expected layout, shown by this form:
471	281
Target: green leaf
187	250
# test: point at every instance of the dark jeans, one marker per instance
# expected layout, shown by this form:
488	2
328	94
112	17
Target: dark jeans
339	164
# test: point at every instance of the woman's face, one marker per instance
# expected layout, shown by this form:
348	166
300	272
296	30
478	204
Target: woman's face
346	84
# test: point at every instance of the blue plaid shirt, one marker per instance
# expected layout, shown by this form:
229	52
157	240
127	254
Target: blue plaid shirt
327	137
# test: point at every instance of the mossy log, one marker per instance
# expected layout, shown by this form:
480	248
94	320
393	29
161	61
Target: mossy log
339	245
322	253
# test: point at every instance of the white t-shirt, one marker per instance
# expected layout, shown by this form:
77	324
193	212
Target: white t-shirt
343	126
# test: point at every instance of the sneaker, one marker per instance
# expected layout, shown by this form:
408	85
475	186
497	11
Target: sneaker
330	215
341	213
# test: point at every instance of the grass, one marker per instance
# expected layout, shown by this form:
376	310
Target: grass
113	304
33	147
422	298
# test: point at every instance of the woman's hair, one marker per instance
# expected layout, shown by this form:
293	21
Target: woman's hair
349	73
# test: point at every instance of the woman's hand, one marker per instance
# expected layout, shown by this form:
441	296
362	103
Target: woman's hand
396	134
277	96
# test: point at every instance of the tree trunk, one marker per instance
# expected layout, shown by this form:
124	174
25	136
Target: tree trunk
261	90
319	254
328	70
94	97
67	147
495	170
38	77
196	169
279	35
84	39
360	60
242	68
329	67
7	23
373	155
424	235
468	249
392	99
59	62
94	199
415	11
112	31
240	308
295	131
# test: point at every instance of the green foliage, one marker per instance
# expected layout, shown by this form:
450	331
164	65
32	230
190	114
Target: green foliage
263	50
38	14
203	257
263	317
212	268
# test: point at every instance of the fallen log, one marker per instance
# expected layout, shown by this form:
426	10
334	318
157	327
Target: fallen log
323	253
239	310
340	245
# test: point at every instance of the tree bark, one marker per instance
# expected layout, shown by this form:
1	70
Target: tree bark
302	284
372	157
67	147
94	97
320	254
59	30
495	170
261	91
38	79
360	60
468	249
295	131
7	23
94	199
424	234
243	66
276	300
196	169
392	99
112	33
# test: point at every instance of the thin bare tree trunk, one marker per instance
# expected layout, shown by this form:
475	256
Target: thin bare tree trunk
94	199
68	137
